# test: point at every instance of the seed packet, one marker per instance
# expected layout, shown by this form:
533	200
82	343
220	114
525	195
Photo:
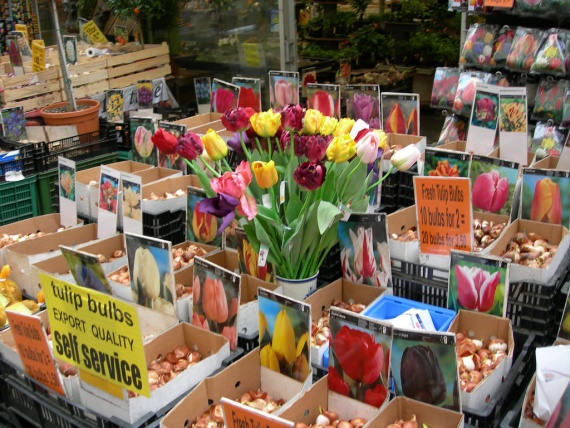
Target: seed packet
444	87
523	49
551	55
502	46
547	140
466	91
454	129
549	99
566	111
478	47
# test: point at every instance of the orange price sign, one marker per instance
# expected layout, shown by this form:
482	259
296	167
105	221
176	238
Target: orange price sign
444	213
34	351
500	3
237	415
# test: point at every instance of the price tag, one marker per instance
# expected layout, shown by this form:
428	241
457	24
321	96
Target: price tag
93	32
345	211
282	193
251	54
263	252
266	200
499	3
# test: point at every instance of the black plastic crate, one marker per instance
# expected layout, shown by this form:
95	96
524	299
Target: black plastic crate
170	226
248	341
24	162
420	283
398	189
331	268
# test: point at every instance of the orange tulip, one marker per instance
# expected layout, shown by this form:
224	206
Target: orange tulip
546	206
395	122
214	300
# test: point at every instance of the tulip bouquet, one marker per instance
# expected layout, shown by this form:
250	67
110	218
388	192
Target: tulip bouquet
300	173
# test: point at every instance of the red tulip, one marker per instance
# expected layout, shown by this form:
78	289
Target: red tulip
359	356
376	396
323	102
476	288
337	383
248	98
310	175
164	141
292	118
189	146
490	191
224	100
316	147
395	122
546	206
237	119
214	300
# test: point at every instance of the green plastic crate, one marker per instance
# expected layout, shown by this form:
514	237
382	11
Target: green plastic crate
18	200
47	190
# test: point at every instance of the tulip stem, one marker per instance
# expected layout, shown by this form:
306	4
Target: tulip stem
348	179
258	145
226	164
373	185
207	165
244	148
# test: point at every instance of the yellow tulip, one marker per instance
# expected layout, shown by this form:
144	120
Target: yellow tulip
284	337
313	121
382	138
215	145
265	123
262	325
301	369
302	343
268	358
265	173
328	126
344	126
341	149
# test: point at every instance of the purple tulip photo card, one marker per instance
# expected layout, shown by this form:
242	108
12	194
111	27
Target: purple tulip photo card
359	357
484	117
424	367
215	299
545	196
225	96
400	113
363	102
478	283
172	161
364	249
513	124
201	227
494	185
283	88
324	98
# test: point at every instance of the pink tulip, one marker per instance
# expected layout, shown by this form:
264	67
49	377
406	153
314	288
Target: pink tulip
367	143
196	289
284	93
214	300
323	102
476	288
200	321
230	333
490	191
364	260
234	184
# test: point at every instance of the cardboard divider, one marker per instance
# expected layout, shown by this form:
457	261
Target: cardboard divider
399	222
248	313
170	185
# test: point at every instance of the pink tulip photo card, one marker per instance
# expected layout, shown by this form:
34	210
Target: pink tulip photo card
284	334
494	185
249	92
446	163
359	357
513	123
363	102
142	129
108	204
283	88
400	113
172	161
546	196
225	96
324	98
478	283
215	301
484	117
364	249
201	227
249	261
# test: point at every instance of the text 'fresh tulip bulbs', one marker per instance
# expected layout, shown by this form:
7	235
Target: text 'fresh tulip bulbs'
301	171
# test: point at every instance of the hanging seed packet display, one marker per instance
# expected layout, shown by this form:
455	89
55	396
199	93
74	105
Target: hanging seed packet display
466	91
502	47
513	118
324	98
363	102
478	47
551	55
400	113
13	123
454	129
549	99
359	357
566	111
424	367
444	87
546	196
547	140
224	96
144	94
144	151
523	49
446	163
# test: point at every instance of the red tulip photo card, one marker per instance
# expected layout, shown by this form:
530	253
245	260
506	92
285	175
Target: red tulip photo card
249	92
546	196
225	96
283	88
284	334
324	98
446	163
400	113
200	226
363	102
308	75
478	283
359	359
513	119
215	299
108	206
172	161
483	122
424	367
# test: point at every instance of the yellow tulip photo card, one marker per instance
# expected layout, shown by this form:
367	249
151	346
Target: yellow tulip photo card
400	113
546	196
200	226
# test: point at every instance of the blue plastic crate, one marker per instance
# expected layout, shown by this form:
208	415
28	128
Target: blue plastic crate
389	307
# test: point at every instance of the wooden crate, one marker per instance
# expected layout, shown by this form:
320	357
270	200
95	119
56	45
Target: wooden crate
89	77
150	63
33	90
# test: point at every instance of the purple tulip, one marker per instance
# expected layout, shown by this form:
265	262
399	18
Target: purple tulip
189	146
316	147
221	206
310	175
235	144
362	105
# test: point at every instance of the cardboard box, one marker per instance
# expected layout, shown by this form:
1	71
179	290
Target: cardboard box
524	421
184	304
23	255
106	247
404	408
495	218
496	153
457	146
227	258
554	233
318	397
56	266
248	313
183	245
243	376
549	162
399	222
484	326
118	289
198	120
346	291
152	175
171	185
214	348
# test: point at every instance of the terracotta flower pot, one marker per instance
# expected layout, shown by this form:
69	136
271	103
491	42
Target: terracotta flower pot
86	120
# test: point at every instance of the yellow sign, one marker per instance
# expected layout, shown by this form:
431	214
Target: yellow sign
96	332
39	42
23	29
38	57
94	33
251	54
99	382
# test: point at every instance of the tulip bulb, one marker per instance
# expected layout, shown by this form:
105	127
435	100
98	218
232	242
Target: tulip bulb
469	363
478	343
498	345
322	420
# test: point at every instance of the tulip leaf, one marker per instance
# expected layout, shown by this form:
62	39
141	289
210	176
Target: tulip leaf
328	189
293	207
311	228
204	180
327	215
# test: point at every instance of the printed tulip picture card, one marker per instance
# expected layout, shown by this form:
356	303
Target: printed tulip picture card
324	98
249	260
114	101
513	119
359	359
484	117
564	330
494	184
108	207
284	334
144	151
215	302
424	367
152	274
23	44
363	102
400	113
364	249
545	196
446	163
283	88
200	226
86	269
13	49
308	75
224	96
203	88
67	202
13	123
444	87
132	210
144	94
172	161
249	92
478	283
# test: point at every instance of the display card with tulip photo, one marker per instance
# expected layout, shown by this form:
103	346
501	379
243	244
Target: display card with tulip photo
424	367
513	118
172	161
363	102
203	88
546	196
359	357
132	209
308	75
108	206
284	334
86	269
13	123
114	101
446	163
478	283
152	274
400	113
549	140
364	249
249	92
483	122
201	227
493	183
67	202
283	88
143	149
324	98
249	260
224	96
216	296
